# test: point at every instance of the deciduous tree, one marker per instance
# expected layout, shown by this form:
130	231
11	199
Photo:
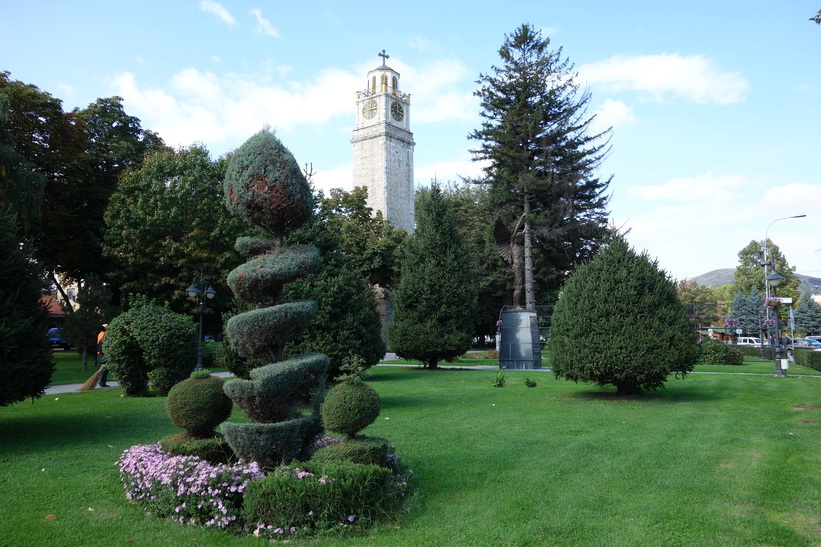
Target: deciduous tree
358	252
166	223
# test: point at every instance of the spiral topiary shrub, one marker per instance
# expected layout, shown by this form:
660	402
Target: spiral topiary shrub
199	404
264	184
349	408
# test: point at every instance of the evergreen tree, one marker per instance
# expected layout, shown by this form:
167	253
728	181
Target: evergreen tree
25	353
619	321
808	315
746	309
435	302
541	159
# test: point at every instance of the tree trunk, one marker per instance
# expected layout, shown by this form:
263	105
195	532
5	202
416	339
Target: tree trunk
530	291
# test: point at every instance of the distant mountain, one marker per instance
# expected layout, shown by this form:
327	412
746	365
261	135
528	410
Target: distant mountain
725	276
715	278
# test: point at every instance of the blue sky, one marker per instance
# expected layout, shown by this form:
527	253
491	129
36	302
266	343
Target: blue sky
714	105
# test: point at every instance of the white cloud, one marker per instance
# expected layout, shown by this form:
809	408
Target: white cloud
438	91
340	176
263	25
203	107
612	114
422	44
693	77
215	8
697	224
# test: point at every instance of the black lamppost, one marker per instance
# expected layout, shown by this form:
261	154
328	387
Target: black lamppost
773	280
202	291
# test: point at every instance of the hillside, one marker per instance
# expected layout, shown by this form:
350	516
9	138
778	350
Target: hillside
724	276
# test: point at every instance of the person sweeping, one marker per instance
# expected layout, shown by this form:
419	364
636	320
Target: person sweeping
102	374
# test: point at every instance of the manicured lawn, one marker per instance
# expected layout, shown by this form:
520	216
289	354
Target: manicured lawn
715	459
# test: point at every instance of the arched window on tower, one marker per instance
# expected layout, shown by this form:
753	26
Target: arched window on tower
373	84
384	83
395	85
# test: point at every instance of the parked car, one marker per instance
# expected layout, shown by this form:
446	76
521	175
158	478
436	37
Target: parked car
748	341
55	336
818	338
806	343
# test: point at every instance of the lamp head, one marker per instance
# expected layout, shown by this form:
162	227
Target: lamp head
774	279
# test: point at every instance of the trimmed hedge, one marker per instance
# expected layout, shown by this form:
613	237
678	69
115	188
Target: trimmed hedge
318	496
362	450
808	358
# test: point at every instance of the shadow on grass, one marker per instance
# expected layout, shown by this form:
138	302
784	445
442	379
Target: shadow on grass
51	430
661	396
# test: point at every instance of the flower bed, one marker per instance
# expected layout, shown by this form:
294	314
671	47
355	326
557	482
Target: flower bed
185	488
308	499
490	354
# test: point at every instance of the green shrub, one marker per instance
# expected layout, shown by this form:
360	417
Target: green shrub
149	337
270	444
213	450
322	496
349	408
162	379
807	358
209	350
499	380
227	358
362	450
619	321
199	404
735	357
713	352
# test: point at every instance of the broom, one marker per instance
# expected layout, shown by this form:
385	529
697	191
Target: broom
91	383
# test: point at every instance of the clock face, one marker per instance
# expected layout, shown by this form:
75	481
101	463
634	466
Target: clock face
369	109
397	111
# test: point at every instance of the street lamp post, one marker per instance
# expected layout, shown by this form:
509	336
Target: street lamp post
203	292
766	261
772	281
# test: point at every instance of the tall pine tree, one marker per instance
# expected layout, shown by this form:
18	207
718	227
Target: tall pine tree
435	302
25	352
541	159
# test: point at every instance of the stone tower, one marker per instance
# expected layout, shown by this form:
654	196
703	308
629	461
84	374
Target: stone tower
383	146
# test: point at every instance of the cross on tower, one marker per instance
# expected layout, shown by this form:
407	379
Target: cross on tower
384	56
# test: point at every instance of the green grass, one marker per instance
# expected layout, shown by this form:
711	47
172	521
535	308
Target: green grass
716	459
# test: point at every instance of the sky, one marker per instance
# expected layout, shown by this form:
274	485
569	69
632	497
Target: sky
714	106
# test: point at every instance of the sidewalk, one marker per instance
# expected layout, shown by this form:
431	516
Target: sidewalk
72	388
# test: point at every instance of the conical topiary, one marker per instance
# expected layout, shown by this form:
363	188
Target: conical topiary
265	185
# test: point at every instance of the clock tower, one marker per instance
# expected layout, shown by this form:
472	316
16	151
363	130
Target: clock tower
383	146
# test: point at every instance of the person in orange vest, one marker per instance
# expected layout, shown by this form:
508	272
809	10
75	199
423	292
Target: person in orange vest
101	357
